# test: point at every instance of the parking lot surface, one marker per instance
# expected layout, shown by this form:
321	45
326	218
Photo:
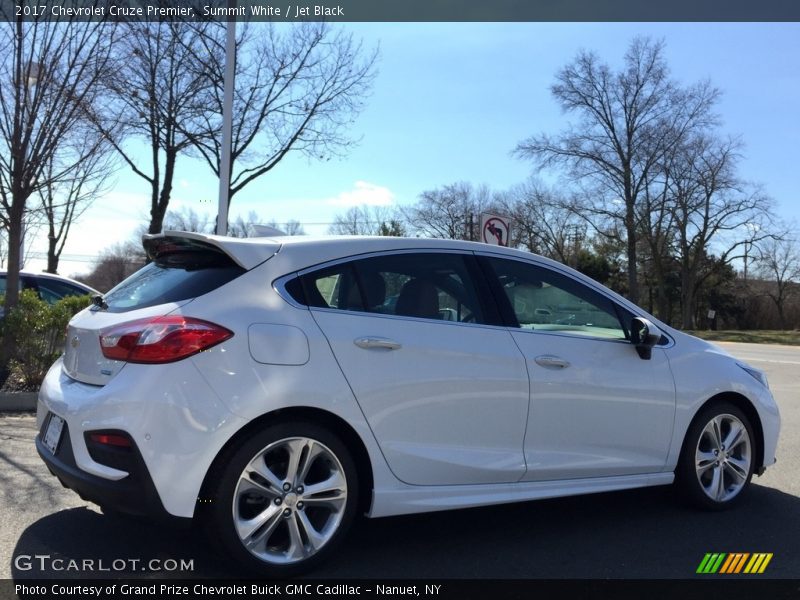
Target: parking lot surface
636	534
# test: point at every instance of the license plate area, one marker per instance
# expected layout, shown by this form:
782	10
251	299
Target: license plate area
52	435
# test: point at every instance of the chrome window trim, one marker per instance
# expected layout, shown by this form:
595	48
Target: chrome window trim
363	255
569	335
279	285
364	313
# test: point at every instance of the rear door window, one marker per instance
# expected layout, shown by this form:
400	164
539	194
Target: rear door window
172	278
435	286
52	290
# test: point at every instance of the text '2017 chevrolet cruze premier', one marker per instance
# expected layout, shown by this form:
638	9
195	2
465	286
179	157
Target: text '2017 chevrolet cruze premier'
275	388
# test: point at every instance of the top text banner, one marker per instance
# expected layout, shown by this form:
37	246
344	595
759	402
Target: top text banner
402	10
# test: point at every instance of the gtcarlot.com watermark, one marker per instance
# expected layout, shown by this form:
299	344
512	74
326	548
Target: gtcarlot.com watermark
46	562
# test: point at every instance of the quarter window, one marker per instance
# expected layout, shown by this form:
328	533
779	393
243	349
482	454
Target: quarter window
545	300
333	287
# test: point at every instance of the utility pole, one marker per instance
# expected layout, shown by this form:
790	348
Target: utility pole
227	123
746	249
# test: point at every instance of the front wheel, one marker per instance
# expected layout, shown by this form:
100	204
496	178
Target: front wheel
718	458
285	498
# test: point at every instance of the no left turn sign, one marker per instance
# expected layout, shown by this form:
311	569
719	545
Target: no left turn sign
494	230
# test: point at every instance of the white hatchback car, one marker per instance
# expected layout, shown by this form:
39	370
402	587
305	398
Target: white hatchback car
275	388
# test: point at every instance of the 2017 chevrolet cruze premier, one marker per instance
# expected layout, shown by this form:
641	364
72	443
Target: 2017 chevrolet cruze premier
275	388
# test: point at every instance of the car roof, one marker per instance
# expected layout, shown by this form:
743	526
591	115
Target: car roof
308	251
249	252
42	275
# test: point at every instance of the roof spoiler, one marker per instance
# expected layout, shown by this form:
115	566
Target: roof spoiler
246	252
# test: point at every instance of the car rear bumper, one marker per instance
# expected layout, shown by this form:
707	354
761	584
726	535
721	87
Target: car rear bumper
175	422
134	494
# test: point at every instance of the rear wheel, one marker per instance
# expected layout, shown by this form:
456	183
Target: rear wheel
718	458
284	498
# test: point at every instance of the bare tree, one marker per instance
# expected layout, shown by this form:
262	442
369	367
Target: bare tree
655	216
298	89
368	220
242	227
393	228
49	74
87	166
714	213
543	221
160	96
450	212
628	119
779	262
291	227
187	219
115	264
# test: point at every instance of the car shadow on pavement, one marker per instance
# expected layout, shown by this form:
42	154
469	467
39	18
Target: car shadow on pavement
634	534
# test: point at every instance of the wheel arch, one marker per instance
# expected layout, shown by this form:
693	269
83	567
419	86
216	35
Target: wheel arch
318	416
746	406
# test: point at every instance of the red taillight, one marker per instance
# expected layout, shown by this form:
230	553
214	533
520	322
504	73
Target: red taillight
111	439
160	339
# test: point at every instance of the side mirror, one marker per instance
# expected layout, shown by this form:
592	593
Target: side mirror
644	335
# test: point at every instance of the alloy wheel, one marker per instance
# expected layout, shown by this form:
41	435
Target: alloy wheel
289	500
723	457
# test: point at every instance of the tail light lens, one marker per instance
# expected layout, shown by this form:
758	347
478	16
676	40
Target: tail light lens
161	339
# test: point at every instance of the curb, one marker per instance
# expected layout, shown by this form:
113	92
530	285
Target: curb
18	401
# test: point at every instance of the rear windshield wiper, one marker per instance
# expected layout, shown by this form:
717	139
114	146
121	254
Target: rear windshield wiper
99	302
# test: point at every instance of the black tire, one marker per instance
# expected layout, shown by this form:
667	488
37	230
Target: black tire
303	518
702	462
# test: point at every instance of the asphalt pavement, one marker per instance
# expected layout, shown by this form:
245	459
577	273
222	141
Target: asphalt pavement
635	534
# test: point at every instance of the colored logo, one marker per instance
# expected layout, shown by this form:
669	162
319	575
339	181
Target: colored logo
734	563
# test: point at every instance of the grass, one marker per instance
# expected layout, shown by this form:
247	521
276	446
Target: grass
789	338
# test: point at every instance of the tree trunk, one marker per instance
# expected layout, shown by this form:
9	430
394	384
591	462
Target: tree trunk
52	255
662	301
12	272
14	256
687	301
633	281
52	246
159	209
781	316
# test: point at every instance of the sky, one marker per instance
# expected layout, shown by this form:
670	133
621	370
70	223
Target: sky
450	103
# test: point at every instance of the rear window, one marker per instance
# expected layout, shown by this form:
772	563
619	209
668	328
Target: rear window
172	278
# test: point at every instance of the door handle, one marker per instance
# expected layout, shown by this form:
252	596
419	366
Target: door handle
377	342
553	362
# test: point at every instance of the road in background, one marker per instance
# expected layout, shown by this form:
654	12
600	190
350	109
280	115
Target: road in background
782	366
635	534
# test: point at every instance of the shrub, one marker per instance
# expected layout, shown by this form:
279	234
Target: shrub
38	330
